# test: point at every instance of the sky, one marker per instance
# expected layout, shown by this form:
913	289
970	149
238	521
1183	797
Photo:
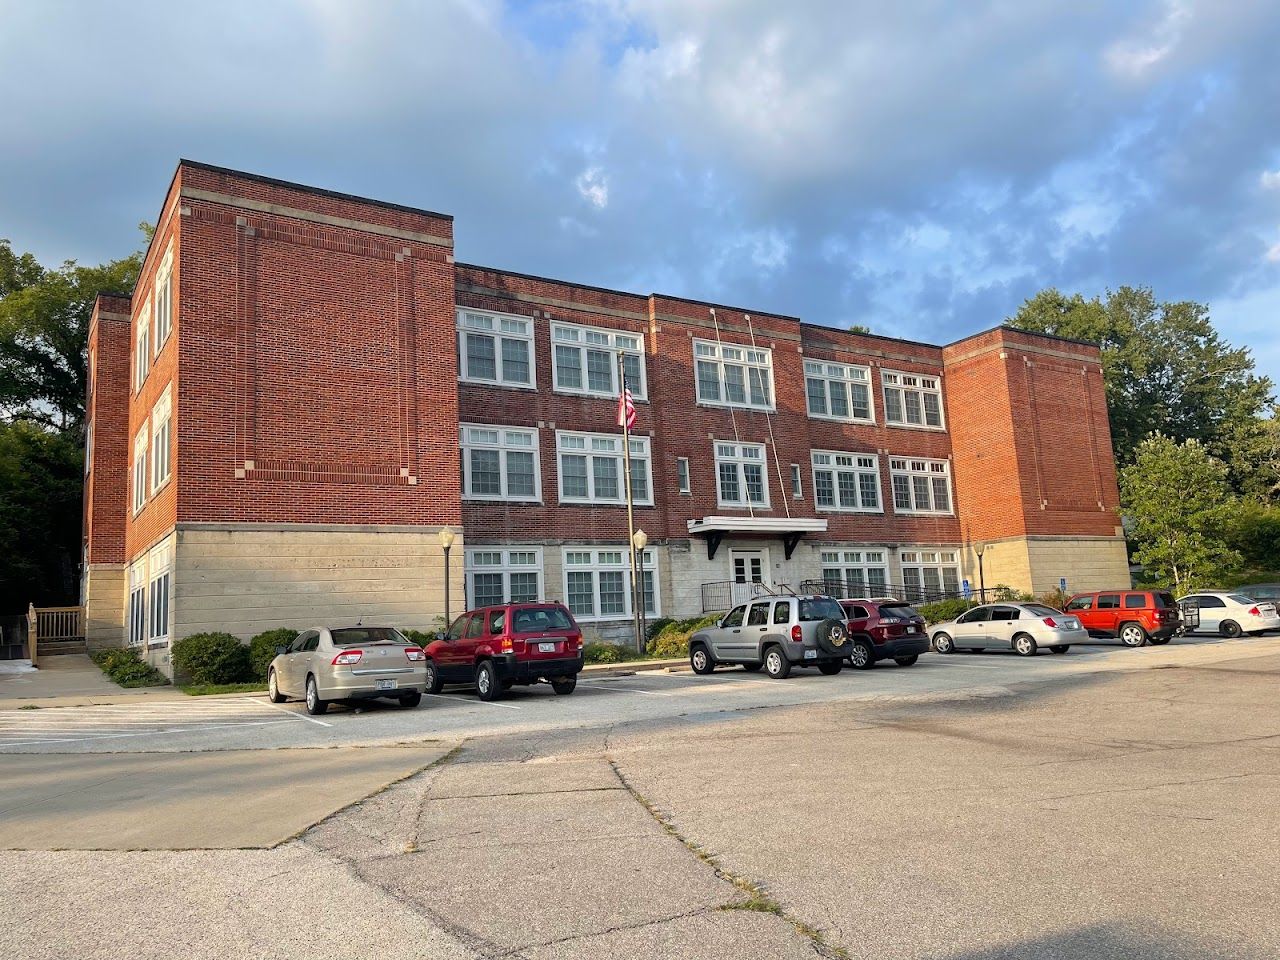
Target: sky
918	167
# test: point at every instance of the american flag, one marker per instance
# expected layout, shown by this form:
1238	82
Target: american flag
626	409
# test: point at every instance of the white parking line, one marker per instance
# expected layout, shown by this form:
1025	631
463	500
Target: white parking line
714	677
170	731
644	693
483	703
299	716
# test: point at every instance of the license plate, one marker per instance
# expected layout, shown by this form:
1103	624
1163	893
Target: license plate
546	648
811	654
386	684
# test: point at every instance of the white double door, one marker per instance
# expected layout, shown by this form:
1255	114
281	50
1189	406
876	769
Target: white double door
749	574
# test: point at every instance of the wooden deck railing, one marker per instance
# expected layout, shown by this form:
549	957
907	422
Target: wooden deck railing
52	623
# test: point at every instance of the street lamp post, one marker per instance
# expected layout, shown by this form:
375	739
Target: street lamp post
447	537
639	540
980	548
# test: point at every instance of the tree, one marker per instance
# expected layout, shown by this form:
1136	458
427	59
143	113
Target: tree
1166	369
44	323
1178	503
859	328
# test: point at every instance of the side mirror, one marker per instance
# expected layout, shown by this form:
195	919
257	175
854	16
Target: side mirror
441	635
280	650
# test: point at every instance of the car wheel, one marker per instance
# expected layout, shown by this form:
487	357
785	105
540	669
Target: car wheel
1025	645
1229	629
410	700
829	668
487	684
776	663
1060	648
860	655
434	683
701	660
832	637
314	704
906	661
943	643
273	691
1132	635
564	685
752	667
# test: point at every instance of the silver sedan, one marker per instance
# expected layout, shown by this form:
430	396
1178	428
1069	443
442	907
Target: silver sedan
348	663
1022	627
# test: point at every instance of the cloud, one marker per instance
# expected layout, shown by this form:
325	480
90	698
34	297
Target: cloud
593	186
1270	180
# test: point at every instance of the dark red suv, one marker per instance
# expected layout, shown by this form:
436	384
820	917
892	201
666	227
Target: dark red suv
884	629
496	648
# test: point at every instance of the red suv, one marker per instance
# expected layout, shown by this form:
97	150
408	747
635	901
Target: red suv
884	629
496	648
1136	617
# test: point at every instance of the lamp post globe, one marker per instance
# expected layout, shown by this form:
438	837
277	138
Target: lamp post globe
447	536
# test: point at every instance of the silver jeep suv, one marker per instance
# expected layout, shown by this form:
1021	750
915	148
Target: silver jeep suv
776	633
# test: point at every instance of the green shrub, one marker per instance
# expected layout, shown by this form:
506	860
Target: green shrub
1004	592
262	649
673	639
608	653
212	658
420	637
126	667
656	626
943	610
1055	598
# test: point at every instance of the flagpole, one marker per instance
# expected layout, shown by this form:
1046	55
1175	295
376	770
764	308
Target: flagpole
637	590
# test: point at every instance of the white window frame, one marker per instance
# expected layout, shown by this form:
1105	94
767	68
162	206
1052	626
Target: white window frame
136	609
503	561
797	482
163	293
159	595
912	468
843	377
499	327
88	446
608	559
723	356
919	385
861	560
683	480
162	441
140	472
837	462
934	560
731	453
584	339
503	445
603	445
142	346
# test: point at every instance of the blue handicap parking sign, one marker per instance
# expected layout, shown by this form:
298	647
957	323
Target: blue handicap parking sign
1062	584
967	590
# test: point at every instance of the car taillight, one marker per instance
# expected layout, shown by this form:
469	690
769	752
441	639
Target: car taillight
796	634
347	657
576	641
1255	612
414	653
507	645
1050	622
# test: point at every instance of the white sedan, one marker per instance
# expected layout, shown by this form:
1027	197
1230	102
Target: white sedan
1232	614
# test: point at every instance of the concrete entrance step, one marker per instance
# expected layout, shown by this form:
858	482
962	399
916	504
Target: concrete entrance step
54	648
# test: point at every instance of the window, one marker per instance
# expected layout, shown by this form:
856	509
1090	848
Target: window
494	348
88	447
140	469
733	376
920	486
161	564
912	400
1080	603
758	615
836	391
1135	601
1004	613
497	575
682	474
541	620
500	463
597	583
142	346
820	608
742	475
797	485
475	626
782	611
1109	601
164	299
734	617
585	360
138	603
930	574
855	573
161	448
846	481
592	471
978	615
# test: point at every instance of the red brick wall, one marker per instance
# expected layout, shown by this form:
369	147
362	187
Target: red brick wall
107	482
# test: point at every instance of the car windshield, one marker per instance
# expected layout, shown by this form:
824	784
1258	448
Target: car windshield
541	619
898	610
1164	600
357	636
1040	610
1237	598
820	608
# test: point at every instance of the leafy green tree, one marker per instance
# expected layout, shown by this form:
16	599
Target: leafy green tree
1178	504
44	324
1254	533
1166	369
858	328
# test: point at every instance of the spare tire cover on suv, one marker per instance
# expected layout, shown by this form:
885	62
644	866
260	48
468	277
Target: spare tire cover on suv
832	637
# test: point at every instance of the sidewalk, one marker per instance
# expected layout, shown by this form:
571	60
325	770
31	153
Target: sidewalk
76	681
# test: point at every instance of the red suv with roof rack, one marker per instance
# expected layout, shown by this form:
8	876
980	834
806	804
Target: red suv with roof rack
884	629
1136	617
496	648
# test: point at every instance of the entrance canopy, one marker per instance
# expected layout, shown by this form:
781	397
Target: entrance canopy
789	529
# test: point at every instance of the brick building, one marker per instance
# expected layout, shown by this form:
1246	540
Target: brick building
305	388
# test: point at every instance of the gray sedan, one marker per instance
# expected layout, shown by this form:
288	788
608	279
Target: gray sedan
1022	627
348	663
